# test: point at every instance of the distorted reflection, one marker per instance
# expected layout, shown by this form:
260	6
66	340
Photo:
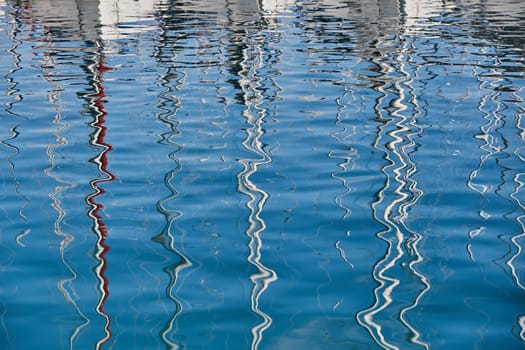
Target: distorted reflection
97	68
400	193
250	64
262	174
66	285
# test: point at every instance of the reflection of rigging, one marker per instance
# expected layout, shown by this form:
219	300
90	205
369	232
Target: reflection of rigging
166	237
347	157
496	147
521	218
64	285
97	69
490	136
14	92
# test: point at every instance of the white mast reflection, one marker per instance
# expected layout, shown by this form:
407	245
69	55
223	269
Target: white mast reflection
252	61
383	293
399	193
413	241
97	69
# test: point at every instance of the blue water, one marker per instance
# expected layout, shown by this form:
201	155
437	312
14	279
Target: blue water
262	174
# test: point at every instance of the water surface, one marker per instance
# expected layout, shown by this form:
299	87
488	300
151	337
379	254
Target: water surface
262	174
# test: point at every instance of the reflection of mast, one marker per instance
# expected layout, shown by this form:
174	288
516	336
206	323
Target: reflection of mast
254	115
391	234
412	242
97	139
399	193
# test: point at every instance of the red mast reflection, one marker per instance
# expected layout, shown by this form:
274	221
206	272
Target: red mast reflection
97	139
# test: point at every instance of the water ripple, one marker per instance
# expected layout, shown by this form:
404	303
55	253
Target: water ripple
336	174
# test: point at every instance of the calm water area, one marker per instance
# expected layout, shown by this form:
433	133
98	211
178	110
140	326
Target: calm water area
262	174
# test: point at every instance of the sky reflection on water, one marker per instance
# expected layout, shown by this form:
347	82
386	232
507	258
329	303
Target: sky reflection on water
262	174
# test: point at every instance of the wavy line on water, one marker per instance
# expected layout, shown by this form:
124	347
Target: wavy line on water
254	115
166	237
385	284
97	69
489	146
64	285
14	92
494	82
347	157
416	193
521	218
398	171
521	324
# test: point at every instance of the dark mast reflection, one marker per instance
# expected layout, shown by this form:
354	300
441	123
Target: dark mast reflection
15	17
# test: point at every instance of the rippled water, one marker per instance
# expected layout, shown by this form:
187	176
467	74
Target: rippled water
262	174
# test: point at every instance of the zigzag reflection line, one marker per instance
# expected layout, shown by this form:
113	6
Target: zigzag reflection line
514	239
400	169
174	285
416	194
520	219
386	284
172	216
57	205
250	84
489	145
348	157
14	92
97	68
66	240
491	149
